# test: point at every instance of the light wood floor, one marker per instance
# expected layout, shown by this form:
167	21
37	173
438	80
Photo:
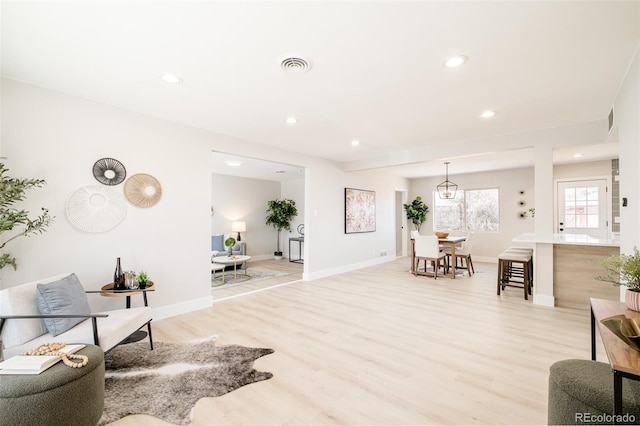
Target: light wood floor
292	270
379	346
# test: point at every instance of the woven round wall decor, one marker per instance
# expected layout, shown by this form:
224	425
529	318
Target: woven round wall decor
142	190
109	171
96	208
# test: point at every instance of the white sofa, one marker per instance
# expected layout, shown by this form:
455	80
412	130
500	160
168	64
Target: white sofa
22	324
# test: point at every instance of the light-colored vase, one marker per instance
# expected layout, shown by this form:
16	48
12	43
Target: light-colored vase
632	300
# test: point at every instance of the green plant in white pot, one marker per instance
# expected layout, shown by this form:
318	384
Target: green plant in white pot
417	212
624	269
229	243
279	215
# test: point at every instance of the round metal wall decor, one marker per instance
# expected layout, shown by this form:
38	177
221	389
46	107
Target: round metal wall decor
109	171
96	208
142	190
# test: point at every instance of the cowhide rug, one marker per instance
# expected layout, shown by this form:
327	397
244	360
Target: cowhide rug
167	382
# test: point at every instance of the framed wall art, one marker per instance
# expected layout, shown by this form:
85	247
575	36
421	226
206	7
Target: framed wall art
359	211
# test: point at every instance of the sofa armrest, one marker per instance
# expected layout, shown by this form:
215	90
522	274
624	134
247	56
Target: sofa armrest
94	322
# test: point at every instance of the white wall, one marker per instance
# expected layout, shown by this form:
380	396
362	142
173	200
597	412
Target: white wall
581	170
627	117
58	137
293	190
487	245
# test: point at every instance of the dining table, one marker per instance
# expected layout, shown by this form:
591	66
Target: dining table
449	241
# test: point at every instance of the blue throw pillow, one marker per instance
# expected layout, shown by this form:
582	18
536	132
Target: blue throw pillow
65	297
217	243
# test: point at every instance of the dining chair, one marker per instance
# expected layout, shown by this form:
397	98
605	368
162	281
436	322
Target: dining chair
427	249
464	254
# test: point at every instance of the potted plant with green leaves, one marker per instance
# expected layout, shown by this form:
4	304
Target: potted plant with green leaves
624	269
229	243
143	278
17	221
417	212
280	212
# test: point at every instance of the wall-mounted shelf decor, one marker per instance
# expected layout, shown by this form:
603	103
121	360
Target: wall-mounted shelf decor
96	208
143	190
109	171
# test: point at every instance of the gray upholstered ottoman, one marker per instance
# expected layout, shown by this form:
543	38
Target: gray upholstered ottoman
581	392
60	395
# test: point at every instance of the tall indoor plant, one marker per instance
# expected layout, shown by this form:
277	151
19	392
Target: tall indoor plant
417	212
279	215
624	269
14	221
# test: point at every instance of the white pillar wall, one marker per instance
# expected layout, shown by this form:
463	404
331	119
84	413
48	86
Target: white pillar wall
544	196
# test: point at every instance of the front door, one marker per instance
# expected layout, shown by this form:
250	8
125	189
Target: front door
582	207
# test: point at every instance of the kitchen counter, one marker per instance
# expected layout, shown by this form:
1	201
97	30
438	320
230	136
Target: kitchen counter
567	267
573	239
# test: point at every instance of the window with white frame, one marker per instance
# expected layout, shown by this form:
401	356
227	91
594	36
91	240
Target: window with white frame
476	210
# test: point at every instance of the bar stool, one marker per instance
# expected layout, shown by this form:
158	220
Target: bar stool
526	251
514	270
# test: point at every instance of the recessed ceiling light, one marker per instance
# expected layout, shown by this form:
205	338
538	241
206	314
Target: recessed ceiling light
280	171
488	114
292	120
455	61
355	143
578	155
233	163
171	78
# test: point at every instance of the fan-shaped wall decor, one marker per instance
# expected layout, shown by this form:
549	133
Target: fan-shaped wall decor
142	190
96	208
109	171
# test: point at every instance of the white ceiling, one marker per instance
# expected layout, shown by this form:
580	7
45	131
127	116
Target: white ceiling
255	168
377	72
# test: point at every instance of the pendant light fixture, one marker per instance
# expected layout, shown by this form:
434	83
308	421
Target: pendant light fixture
447	189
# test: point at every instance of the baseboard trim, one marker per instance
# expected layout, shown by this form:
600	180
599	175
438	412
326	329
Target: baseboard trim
346	268
181	308
544	300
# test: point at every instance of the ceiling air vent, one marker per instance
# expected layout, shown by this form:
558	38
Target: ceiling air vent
295	64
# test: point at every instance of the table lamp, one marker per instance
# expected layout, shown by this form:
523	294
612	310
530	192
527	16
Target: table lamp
238	227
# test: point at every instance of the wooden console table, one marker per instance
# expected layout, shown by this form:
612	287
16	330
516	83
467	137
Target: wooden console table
624	360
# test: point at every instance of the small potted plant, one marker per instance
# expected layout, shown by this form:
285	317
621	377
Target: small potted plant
279	215
229	243
417	212
623	269
142	278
